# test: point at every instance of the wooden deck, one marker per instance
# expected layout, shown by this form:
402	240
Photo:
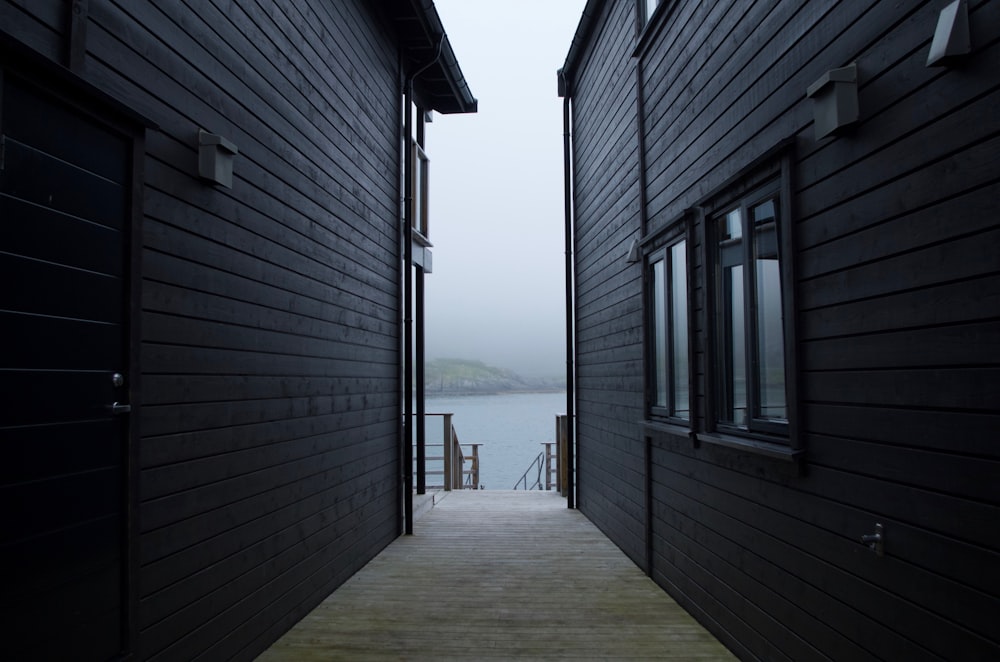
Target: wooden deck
499	575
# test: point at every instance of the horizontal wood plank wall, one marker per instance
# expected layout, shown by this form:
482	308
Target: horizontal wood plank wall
43	26
270	311
608	294
898	293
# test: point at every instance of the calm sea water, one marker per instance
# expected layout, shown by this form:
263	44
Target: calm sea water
511	428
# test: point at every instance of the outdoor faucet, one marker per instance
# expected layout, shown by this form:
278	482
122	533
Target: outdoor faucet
875	541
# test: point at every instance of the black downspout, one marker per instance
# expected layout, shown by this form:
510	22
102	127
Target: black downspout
408	294
570	348
421	405
408	308
640	130
400	369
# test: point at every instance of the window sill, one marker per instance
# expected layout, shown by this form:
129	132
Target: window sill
754	446
420	239
677	429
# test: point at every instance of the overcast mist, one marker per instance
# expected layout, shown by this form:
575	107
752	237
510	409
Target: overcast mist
496	218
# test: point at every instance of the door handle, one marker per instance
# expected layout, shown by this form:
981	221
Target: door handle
117	409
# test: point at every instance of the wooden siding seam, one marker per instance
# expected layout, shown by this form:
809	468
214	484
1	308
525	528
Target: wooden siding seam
904	167
239	78
345	300
166	539
333	244
910	597
786	580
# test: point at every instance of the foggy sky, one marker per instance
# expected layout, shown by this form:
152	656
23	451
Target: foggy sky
496	293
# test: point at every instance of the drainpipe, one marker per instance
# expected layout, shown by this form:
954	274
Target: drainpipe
408	422
570	348
640	126
421	432
421	404
408	309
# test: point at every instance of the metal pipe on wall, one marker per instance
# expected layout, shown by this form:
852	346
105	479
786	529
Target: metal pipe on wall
408	340
647	483
421	405
570	349
407	455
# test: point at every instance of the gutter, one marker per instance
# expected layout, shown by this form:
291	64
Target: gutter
588	20
466	103
420	29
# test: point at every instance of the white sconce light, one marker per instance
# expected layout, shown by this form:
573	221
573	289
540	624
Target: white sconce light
951	37
836	100
215	158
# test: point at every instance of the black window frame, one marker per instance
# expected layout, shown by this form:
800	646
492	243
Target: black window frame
644	14
662	250
741	252
754	184
646	11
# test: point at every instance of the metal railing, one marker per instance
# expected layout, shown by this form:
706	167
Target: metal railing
537	464
543	464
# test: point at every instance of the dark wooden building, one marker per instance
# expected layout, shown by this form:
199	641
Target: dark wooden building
205	249
786	235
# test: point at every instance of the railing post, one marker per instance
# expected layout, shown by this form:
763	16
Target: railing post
475	466
548	464
447	434
559	462
457	461
561	451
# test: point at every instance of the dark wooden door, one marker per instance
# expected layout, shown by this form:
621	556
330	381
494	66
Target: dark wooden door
64	201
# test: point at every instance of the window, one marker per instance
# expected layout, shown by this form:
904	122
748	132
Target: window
668	332
646	9
421	174
749	340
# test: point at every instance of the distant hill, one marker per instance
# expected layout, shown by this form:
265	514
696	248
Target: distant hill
461	376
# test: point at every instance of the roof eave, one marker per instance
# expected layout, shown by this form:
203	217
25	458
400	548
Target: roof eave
581	37
440	84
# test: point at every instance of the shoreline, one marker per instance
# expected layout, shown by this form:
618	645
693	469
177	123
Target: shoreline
446	393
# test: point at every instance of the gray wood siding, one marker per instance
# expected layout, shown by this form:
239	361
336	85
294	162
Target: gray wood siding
608	294
897	294
270	394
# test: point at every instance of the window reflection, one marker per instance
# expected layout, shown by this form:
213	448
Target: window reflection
749	336
679	328
668	332
659	339
770	346
735	364
650	7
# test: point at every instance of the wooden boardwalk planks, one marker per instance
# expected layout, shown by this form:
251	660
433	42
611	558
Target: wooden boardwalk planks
499	575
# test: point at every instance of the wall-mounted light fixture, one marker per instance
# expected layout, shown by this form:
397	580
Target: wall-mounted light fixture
951	37
836	100
215	158
634	253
